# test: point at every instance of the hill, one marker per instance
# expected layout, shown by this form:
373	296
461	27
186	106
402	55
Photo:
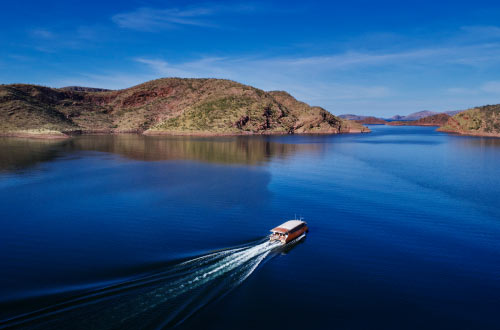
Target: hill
163	106
482	121
84	89
371	121
453	112
415	116
351	117
434	120
368	120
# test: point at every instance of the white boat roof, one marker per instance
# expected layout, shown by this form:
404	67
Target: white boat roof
290	224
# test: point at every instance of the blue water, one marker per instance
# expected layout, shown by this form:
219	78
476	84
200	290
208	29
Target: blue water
144	232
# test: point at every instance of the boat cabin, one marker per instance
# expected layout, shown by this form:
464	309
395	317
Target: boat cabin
288	231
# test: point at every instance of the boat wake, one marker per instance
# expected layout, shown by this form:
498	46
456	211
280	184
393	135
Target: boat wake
162	299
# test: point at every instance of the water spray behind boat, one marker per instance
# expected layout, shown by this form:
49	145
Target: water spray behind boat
160	299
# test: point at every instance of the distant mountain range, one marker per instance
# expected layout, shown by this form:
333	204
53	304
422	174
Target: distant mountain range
480	121
366	120
352	117
433	120
415	115
412	116
422	114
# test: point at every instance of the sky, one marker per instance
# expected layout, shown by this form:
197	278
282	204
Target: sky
364	57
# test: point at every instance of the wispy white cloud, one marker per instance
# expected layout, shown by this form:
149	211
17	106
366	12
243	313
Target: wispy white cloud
271	74
53	40
42	33
461	91
330	80
269	68
489	87
492	87
245	66
151	19
147	19
204	67
480	32
104	79
381	82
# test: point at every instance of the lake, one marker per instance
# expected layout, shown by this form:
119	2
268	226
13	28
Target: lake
144	232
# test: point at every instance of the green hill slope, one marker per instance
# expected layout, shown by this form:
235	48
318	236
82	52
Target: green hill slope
163	106
481	121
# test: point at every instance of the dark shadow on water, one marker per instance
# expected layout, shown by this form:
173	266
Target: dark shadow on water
292	245
18	154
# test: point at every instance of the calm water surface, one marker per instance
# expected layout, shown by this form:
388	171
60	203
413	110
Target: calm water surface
145	232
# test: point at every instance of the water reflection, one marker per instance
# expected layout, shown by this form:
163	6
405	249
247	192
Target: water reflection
18	154
476	142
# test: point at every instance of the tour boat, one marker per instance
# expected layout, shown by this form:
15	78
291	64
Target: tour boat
288	231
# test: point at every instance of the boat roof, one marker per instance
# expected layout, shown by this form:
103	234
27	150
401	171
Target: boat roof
287	226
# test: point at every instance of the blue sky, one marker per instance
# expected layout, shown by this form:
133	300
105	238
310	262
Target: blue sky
365	57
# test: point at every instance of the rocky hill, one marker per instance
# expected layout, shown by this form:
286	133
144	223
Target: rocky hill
349	116
415	116
482	121
84	89
371	121
163	106
368	120
434	120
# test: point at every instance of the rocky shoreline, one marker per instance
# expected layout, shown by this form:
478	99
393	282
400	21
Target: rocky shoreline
67	135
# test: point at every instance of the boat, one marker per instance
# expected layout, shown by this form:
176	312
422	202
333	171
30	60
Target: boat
288	231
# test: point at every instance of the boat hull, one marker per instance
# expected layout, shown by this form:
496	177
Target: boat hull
296	234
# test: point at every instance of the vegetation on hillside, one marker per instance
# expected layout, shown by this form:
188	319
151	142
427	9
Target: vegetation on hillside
483	120
433	120
163	106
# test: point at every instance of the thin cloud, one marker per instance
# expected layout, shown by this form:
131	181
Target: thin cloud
336	81
491	87
376	82
461	91
269	75
477	55
109	80
150	19
480	32
79	37
42	33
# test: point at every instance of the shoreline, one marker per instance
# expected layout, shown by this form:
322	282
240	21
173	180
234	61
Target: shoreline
69	134
481	134
426	125
40	136
55	135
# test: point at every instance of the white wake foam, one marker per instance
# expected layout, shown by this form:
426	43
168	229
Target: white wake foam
161	299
